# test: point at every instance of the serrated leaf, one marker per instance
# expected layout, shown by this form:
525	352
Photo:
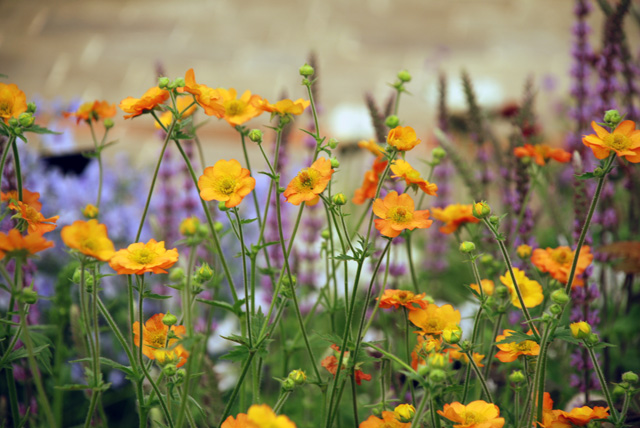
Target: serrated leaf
37	129
563	333
236	338
345	257
108	362
218	304
585	176
150	295
21	353
330	337
516	337
238	353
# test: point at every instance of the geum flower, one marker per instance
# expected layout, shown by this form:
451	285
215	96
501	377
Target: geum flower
28	197
149	100
487	287
454	216
155	343
373	147
403	138
36	222
370	183
330	363
402	169
92	111
397	212
258	416
510	351
624	141
309	183
557	262
541	153
13	101
477	414
226	181
530	290
140	258
388	420
579	416
455	353
237	111
434	319
185	107
90	238
14	244
205	96
285	107
396	298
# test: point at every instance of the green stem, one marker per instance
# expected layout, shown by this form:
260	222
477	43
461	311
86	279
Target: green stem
408	352
354	399
496	330
435	420
244	277
99	157
16	164
485	388
5	153
281	400
414	278
234	393
603	383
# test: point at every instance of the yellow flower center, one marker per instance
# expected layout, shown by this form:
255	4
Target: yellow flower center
227	185
5	109
142	256
472	417
156	339
561	255
307	179
524	346
31	214
404	296
617	141
400	215
235	107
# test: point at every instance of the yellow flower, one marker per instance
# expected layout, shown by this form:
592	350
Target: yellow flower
531	290
402	169
397	212
511	351
90	238
375	148
227	182
14	244
93	111
523	251
238	110
90	211
404	412
403	138
36	222
558	261
487	287
434	319
150	100
477	414
155	343
309	183
284	107
396	298
262	416
206	97
624	141
13	101
454	216
140	258
189	226
580	330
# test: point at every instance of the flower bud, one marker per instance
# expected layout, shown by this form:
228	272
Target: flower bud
404	76
189	226
423	370
288	385
306	70
204	273
481	210
452	335
502	291
467	247
163	82
392	121
288	286
612	118
217	226
281	189
546	318
523	251
325	234
90	211
333	143
593	339
13	122
580	330
618	391
28	296
466	346
560	297
494	220
169	319
180	375
108	123
335	163
439	153
31	107
599	172
179	82
222	206
176	274
339	199
555	309
255	135
517	377
26	119
624	385
298	376
404	413
437	376
486	259
630	377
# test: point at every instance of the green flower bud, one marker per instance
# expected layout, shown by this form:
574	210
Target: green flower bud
439	153
555	309
28	296
517	377
288	385
437	376
288	288
31	107
392	121
494	220
335	163
560	297
618	391
467	247
481	210
255	135
465	346
404	76
170	370
169	319
339	199
624	385
298	376
108	123
17	130
179	82
580	330
325	234
26	119
176	274
13	122
404	413
163	82
486	259
546	318
452	335
612	118
630	377
180	376
222	206
306	70
423	370
593	339
217	226
333	143
502	291
281	189
204	273
598	172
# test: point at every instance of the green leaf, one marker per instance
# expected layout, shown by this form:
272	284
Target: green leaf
563	333
602	345
236	338
238	353
218	304
36	129
268	174
109	363
516	337
585	176
21	353
150	295
72	387
345	257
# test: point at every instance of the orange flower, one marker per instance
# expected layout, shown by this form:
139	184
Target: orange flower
425	346
37	223
557	261
403	138
28	197
309	183
487	287
330	363
454	216
372	146
208	98
184	105
398	213
13	101
154	338
93	110
511	351
259	416
541	153
402	169
530	290
456	354
284	107
397	298
624	140
477	414
150	100
434	319
90	238
580	416
388	421
240	110
371	180
227	182
552	418
240	421
14	244
140	258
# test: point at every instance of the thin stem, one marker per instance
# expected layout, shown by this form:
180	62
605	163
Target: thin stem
603	382
5	153
234	393
414	278
354	399
244	277
99	157
496	330
408	351
483	382
16	165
